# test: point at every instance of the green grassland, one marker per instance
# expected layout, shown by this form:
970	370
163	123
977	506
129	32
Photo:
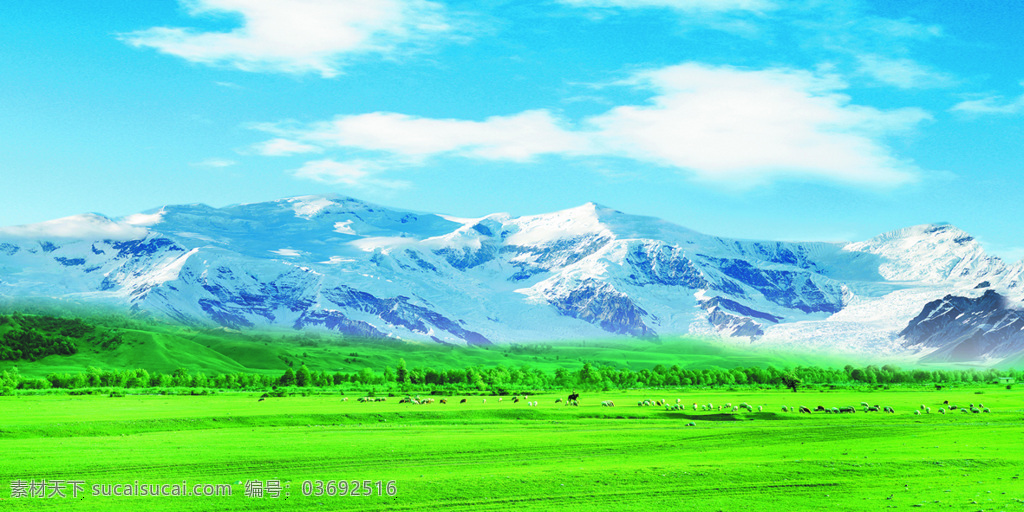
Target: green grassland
486	455
117	343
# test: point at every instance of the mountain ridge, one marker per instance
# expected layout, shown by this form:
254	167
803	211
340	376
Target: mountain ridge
338	263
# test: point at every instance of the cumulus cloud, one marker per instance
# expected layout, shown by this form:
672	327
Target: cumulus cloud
354	173
78	227
721	124
296	36
744	127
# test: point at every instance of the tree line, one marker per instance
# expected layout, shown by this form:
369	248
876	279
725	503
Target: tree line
498	379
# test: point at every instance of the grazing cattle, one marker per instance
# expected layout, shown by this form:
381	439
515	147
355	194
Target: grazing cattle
608	403
261	399
804	409
443	401
344	399
820	408
515	399
462	401
558	400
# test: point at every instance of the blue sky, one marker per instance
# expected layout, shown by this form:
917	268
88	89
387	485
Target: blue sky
794	120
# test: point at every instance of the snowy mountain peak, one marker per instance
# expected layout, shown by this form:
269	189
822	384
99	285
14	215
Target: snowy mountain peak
930	253
338	263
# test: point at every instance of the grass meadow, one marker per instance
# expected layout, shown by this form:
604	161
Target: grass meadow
502	456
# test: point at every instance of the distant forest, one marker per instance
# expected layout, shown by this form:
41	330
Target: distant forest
31	337
503	380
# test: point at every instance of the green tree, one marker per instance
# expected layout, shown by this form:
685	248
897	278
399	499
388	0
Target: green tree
302	377
790	381
288	379
402	374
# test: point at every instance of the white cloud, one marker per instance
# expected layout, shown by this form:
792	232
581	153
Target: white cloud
991	105
78	227
217	163
355	173
680	5
296	36
518	137
902	73
145	219
728	125
284	147
742	127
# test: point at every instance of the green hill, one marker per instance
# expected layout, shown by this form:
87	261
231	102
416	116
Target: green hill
112	342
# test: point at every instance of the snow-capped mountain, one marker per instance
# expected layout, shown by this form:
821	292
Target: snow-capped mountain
337	263
963	328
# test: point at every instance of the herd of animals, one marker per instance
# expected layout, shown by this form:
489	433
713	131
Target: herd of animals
574	400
